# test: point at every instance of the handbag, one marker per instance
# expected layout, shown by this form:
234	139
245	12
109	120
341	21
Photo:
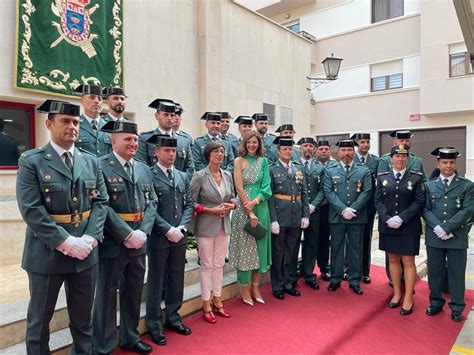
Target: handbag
258	232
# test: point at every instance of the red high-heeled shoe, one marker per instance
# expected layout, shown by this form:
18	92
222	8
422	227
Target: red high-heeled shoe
221	311
209	317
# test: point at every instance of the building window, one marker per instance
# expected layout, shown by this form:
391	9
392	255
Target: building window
386	9
460	64
16	132
295	27
286	116
387	75
394	81
269	109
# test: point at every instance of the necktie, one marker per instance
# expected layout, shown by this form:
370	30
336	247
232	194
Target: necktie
129	169
170	176
362	160
68	160
445	182
94	125
347	167
398	176
288	168
306	165
214	139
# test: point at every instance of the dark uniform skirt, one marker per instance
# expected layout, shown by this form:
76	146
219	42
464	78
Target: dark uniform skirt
400	244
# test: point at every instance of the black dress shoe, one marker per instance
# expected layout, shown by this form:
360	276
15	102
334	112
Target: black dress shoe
180	329
326	276
158	339
292	292
357	290
333	286
278	295
433	310
140	347
393	304
345	277
366	279
405	312
313	284
457	316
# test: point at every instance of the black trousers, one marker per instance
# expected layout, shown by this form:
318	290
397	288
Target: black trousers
165	271
283	246
44	290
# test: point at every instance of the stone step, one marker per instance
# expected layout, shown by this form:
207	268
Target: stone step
13	316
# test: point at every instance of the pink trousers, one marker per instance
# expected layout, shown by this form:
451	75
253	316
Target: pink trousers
212	252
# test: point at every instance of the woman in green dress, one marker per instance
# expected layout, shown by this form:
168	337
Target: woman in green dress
252	181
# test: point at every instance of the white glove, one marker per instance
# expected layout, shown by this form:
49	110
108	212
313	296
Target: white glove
311	209
141	235
275	228
393	223
304	222
91	240
134	241
74	247
174	235
446	237
348	213
439	231
398	220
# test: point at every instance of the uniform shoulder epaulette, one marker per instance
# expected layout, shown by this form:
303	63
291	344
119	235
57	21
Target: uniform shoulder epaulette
85	152
147	132
359	164
332	166
385	155
373	156
105	157
383	173
462	178
296	162
414	155
416	172
271	164
31	152
433	178
139	160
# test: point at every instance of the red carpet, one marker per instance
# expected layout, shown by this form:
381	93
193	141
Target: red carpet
322	322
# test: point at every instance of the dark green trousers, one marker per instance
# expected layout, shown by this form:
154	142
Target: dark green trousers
165	271
44	290
126	275
354	233
309	250
283	246
456	260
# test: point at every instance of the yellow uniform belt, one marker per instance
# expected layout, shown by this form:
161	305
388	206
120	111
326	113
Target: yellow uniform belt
71	218
131	217
291	198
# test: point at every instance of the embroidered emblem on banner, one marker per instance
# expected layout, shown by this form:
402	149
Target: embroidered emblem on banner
75	27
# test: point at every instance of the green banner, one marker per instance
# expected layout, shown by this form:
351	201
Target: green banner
64	43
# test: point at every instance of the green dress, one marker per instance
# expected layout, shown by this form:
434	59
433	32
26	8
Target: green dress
245	252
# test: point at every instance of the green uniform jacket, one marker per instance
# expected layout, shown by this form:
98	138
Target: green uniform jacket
95	142
314	182
45	187
184	160
288	213
126	196
175	207
268	143
352	191
451	210
415	163
187	136
372	163
198	153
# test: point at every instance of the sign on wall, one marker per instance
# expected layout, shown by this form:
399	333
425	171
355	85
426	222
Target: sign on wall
65	43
